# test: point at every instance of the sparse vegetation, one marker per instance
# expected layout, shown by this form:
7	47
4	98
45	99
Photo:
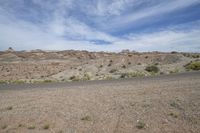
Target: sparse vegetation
109	64
175	115
20	125
176	70
132	74
74	78
86	118
193	66
3	82
174	52
100	66
31	127
152	68
113	71
9	108
140	125
124	66
86	77
4	127
48	81
195	56
46	126
18	82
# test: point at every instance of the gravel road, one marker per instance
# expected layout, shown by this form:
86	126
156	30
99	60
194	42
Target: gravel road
162	104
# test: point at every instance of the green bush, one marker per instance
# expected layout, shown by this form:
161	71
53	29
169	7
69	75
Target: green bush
2	82
86	77
153	69
193	66
18	82
48	81
195	56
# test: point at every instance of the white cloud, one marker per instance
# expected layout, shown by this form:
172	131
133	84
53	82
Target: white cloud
157	9
59	30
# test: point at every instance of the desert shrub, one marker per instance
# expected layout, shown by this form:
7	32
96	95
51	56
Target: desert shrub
74	78
2	82
140	125
174	71
129	63
153	69
100	66
139	63
175	115
174	52
195	56
86	77
46	126
123	66
108	78
132	74
18	82
113	70
31	127
193	66
48	81
4	127
156	63
86	118
9	108
109	64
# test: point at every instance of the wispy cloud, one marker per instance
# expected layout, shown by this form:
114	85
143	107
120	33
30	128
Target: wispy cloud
68	24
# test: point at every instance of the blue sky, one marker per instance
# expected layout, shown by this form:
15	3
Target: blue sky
100	25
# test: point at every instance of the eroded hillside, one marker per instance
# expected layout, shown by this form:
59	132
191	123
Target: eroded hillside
48	66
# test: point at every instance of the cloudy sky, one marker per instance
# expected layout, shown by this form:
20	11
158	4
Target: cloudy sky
100	25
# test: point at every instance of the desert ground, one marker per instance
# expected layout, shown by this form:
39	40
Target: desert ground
161	104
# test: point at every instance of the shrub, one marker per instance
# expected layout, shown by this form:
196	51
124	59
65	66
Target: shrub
46	127
123	66
2	82
86	77
4	127
174	52
113	70
195	56
18	82
153	69
132	74
31	127
9	108
140	125
109	64
74	78
100	66
86	118
193	66
48	81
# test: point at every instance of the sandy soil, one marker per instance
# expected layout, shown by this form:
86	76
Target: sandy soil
168	104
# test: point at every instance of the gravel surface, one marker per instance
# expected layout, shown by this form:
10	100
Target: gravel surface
163	104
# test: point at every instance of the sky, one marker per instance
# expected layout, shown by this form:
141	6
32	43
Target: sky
100	25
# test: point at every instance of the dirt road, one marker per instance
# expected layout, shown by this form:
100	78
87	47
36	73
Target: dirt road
164	104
